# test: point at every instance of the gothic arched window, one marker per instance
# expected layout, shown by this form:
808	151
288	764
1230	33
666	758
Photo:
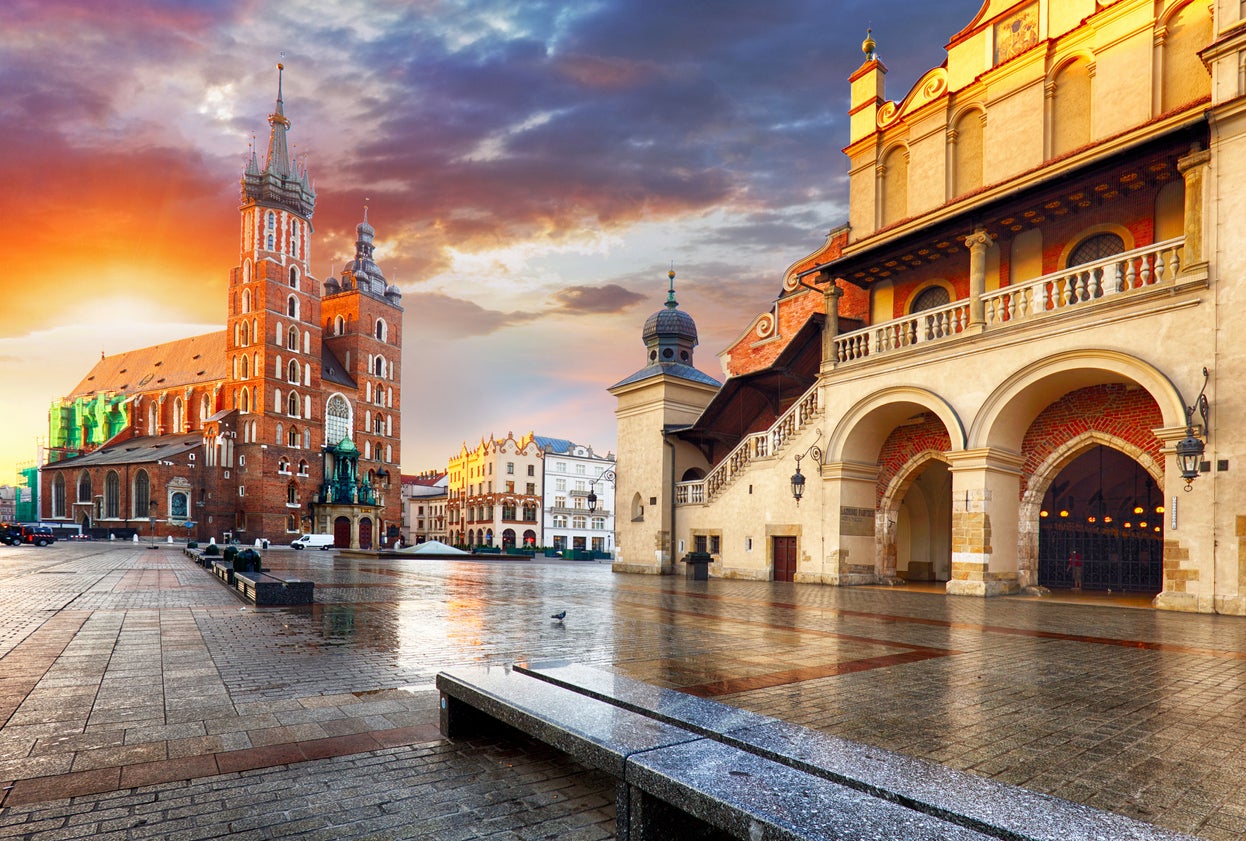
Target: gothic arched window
112	495
336	419
141	495
293	405
292	307
58	495
84	487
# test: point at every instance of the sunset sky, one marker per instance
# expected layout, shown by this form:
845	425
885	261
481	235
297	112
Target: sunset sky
532	170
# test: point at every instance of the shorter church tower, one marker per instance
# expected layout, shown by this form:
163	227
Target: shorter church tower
361	317
666	395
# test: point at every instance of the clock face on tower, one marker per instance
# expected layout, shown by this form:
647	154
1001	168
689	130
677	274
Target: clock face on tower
1016	33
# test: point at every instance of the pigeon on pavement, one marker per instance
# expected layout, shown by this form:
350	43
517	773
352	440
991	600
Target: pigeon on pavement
560	615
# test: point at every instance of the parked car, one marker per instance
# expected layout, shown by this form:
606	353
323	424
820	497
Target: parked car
10	534
313	541
38	535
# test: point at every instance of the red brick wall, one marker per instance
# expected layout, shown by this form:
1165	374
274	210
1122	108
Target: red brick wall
1128	414
904	442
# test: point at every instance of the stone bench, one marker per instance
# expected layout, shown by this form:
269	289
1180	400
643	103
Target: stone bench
996	809
264	589
672	782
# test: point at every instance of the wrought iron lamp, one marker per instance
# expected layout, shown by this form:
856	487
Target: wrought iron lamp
798	479
608	476
1190	448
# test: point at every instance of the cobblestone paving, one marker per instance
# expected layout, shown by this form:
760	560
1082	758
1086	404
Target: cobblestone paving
139	698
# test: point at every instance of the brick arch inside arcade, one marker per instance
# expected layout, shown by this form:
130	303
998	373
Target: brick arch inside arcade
1093	468
1109	510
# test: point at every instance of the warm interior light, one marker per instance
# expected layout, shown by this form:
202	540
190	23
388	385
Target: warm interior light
1129	525
1107	519
1157	528
1159	509
1064	512
1090	519
1043	513
1142	525
1137	509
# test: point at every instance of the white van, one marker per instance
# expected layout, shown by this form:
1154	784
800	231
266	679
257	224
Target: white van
313	541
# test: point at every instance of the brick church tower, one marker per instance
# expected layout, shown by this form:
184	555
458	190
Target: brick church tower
273	338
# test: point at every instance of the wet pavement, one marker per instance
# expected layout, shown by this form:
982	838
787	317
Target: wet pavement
140	698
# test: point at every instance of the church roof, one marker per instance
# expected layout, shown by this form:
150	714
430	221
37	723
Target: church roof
181	362
136	451
332	369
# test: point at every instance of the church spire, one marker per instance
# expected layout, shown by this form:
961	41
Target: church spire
281	183
278	151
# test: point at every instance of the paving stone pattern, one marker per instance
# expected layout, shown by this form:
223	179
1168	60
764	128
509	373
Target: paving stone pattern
140	698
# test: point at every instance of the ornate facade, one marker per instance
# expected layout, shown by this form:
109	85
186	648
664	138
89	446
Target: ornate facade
993	362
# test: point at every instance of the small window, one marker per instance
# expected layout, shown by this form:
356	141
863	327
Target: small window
294	273
931	298
1095	248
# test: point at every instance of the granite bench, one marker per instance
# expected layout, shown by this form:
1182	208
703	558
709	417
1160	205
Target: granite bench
264	589
672	782
993	808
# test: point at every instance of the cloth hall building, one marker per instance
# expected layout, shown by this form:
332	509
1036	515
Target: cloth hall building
286	421
995	361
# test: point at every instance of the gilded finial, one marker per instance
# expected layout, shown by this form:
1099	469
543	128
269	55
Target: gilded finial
868	45
670	295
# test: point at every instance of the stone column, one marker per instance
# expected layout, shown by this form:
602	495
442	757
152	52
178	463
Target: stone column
1193	168
851	504
977	243
830	330
986	488
1190	581
354	530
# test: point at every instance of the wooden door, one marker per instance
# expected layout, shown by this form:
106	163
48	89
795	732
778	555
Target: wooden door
784	558
365	533
341	533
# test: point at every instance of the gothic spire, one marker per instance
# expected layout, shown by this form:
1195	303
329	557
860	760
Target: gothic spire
278	152
282	182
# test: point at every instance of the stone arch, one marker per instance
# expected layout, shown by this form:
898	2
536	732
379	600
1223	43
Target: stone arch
1046	472
861	432
1007	413
887	514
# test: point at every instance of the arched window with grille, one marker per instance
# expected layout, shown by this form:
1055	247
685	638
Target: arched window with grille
292	371
930	298
1096	247
292	405
293	439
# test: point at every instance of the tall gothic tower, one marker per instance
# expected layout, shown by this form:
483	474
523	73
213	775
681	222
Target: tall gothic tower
273	343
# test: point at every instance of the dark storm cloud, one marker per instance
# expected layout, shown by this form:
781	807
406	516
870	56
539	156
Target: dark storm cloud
634	110
610	298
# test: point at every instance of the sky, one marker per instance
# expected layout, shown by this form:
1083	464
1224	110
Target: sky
532	168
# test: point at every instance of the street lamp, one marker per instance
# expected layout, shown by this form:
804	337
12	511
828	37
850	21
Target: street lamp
798	478
608	476
1190	448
